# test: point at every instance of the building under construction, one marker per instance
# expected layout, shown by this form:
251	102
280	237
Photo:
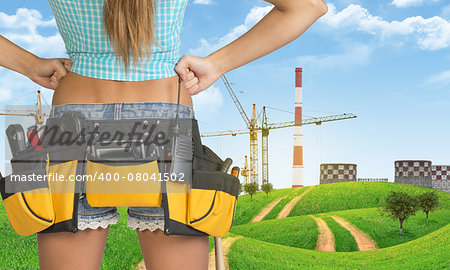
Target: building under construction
440	177
413	172
423	173
337	172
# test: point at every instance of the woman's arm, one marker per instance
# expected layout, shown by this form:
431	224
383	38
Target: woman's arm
45	72
283	24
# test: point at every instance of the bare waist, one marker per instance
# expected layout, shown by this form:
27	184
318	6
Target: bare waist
75	88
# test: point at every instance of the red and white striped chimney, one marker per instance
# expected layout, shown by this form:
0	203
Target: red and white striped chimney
297	166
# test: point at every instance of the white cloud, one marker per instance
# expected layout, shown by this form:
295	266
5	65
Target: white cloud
25	18
203	2
208	101
357	55
254	16
430	34
440	79
22	28
410	3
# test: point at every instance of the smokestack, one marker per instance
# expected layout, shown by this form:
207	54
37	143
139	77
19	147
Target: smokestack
297	165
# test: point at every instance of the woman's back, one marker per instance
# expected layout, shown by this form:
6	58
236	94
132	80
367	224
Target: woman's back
98	75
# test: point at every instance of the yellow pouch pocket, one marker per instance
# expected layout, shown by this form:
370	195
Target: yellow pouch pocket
30	212
28	201
63	189
123	183
212	202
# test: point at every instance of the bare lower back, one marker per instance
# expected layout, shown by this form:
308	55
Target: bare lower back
75	88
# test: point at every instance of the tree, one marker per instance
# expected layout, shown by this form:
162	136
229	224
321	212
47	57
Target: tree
401	206
251	188
428	202
267	187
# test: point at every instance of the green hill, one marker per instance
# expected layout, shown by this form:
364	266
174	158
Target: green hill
287	243
247	209
385	231
302	231
294	232
428	252
343	239
354	195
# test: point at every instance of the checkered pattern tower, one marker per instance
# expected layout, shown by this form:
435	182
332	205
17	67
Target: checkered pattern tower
440	177
335	173
414	172
297	165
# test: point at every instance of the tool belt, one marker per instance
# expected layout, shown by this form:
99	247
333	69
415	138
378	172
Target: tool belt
140	173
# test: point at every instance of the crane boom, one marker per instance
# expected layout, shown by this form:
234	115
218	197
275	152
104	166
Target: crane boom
236	101
315	120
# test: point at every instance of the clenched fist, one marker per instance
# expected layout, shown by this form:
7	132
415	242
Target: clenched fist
197	73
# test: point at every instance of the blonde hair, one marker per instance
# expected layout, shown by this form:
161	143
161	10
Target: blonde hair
129	25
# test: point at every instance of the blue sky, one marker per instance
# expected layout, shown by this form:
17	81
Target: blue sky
386	61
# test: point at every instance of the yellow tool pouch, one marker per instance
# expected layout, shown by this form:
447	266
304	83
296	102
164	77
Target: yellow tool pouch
125	172
28	204
40	194
130	183
212	202
205	205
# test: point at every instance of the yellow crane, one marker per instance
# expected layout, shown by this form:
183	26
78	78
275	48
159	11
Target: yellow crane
251	173
39	116
37	113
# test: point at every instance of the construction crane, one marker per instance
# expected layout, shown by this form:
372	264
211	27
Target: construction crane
39	118
251	173
251	125
36	113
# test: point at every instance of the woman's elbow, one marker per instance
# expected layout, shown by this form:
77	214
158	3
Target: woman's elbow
319	7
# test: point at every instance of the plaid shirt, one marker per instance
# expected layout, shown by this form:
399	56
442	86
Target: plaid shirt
81	26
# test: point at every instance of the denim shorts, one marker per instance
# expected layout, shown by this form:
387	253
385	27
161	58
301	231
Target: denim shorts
141	218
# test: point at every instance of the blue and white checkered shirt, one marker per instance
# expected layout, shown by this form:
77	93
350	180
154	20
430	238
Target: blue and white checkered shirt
80	23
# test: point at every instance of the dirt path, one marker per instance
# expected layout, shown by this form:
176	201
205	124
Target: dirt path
266	210
141	266
362	239
288	207
325	241
226	244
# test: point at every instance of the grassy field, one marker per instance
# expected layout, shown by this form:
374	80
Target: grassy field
247	209
122	248
298	232
285	243
17	252
385	231
343	239
277	209
428	252
353	195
